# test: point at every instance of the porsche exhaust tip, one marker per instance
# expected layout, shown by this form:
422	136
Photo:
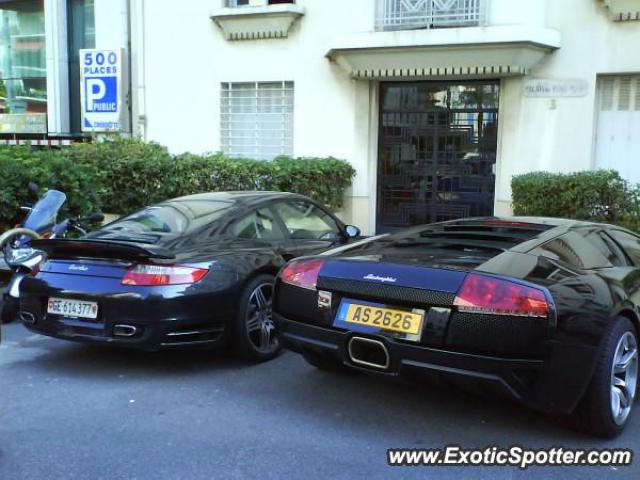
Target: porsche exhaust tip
124	330
368	352
28	317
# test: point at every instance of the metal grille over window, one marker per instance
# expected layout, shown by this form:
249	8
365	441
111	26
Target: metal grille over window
255	3
257	119
414	14
437	152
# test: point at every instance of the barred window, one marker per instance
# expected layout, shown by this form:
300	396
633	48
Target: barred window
257	119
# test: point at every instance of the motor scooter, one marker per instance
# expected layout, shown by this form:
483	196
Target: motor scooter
41	222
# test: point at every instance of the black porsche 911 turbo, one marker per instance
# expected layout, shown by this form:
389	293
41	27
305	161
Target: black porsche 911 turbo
544	311
193	271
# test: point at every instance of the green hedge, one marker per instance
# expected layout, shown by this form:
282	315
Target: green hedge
600	195
118	176
51	170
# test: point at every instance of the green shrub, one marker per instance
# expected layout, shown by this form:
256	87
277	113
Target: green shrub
324	179
50	169
600	195
121	175
133	173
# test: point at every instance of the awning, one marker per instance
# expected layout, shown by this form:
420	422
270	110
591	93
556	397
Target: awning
474	52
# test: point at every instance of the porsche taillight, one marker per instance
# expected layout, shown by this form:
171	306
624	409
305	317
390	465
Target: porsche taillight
495	296
158	275
302	273
35	270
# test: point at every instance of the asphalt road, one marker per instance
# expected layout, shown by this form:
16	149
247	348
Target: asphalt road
69	411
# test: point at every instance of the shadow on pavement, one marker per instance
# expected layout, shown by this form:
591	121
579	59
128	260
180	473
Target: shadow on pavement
358	400
71	359
357	403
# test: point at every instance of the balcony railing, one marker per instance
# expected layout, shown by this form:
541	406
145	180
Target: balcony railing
416	14
254	3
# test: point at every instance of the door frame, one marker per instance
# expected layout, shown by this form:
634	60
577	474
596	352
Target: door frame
374	152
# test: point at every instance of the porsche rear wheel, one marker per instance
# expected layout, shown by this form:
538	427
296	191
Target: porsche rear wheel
255	336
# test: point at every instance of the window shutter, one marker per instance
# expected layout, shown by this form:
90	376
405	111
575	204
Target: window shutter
618	125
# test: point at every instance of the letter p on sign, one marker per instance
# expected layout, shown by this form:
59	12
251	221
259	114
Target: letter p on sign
96	90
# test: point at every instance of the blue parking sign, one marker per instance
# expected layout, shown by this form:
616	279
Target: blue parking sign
101	94
101	90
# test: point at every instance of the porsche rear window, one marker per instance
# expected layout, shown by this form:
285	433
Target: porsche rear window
172	218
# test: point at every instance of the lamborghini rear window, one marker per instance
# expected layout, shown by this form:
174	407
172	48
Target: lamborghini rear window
469	235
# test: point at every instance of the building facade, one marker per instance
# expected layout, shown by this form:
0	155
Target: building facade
436	103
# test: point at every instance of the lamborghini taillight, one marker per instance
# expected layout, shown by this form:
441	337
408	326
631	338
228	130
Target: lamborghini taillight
495	296
302	273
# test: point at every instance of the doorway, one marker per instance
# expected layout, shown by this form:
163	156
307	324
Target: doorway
437	152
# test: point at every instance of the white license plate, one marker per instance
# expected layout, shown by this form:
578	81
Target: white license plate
72	308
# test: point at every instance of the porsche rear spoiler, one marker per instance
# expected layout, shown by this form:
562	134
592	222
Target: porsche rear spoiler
99	249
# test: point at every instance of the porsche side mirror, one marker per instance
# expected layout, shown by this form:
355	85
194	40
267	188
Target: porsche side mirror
352	231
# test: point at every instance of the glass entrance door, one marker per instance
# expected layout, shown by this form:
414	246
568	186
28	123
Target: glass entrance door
437	152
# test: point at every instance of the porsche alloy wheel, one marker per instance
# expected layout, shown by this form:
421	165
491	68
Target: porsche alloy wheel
256	336
260	327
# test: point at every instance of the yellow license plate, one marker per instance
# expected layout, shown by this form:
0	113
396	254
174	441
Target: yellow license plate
385	318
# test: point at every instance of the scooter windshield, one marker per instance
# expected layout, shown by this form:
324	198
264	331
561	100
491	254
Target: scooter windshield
43	215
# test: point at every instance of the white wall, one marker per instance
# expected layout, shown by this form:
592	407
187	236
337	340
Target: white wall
112	23
185	67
